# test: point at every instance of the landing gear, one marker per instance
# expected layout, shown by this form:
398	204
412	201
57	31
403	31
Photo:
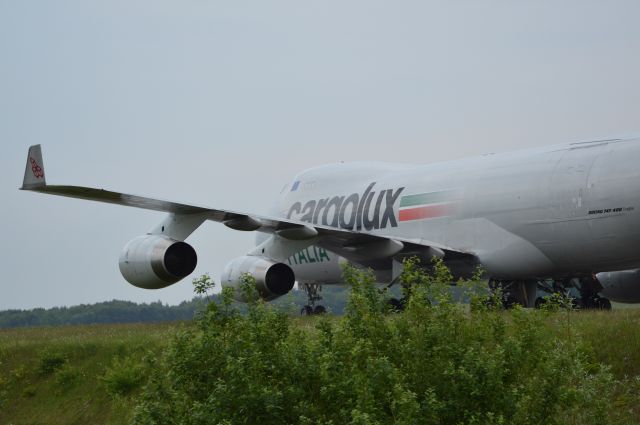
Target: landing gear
396	304
563	287
583	291
521	292
589	298
313	296
319	309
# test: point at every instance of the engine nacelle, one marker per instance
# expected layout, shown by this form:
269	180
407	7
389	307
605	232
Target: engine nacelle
153	262
622	286
272	279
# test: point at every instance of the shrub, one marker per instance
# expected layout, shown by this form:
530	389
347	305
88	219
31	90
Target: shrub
50	361
437	362
123	376
66	377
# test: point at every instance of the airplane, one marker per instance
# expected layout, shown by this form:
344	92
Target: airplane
559	217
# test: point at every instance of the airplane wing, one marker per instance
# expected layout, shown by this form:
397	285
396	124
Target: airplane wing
361	247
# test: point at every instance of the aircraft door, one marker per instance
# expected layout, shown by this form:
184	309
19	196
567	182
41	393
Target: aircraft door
568	191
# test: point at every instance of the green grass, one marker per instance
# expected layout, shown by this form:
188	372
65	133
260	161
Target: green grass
614	337
61	375
55	375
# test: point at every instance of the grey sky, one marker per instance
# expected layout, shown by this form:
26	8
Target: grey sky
220	103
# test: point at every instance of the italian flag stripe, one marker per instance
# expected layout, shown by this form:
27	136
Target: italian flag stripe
426	198
426	205
427	211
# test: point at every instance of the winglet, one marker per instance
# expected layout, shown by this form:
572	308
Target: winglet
34	170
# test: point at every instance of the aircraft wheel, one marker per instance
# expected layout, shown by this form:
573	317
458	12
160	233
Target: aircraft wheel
509	301
306	310
319	310
604	304
396	305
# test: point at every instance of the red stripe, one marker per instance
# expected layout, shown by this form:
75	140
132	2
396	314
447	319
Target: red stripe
430	211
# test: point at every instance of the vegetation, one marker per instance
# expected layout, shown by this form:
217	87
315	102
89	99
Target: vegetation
129	312
106	312
75	374
436	362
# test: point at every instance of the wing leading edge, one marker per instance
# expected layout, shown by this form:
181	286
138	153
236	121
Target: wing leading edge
351	244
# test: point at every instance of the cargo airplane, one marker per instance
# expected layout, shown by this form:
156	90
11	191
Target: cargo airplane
564	216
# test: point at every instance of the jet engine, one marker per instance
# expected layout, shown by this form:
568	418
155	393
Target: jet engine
622	286
271	279
153	262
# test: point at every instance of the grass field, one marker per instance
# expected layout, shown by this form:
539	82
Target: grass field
59	375
54	375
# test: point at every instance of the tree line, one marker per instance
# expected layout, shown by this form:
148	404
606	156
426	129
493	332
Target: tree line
118	311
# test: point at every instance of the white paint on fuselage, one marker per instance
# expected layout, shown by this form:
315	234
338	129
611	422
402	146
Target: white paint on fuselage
567	209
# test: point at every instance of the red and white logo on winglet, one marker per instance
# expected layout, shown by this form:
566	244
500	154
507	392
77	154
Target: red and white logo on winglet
36	169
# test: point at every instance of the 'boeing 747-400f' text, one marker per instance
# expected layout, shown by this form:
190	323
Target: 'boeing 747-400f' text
565	216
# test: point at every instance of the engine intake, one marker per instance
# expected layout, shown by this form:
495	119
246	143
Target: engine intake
272	279
622	286
153	262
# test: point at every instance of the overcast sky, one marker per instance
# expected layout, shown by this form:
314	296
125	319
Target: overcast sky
221	103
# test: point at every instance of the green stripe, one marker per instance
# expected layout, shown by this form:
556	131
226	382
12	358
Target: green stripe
426	198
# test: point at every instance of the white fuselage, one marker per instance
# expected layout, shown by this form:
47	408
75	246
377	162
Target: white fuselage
562	210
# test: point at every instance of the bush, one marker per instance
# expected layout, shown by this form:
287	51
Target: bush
124	376
66	377
50	361
437	362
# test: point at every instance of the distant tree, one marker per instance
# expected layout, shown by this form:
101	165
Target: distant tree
115	311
